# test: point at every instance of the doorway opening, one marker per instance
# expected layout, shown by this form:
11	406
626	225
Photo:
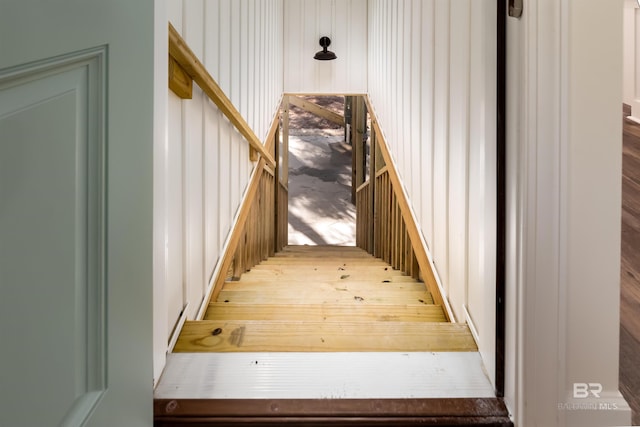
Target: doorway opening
321	208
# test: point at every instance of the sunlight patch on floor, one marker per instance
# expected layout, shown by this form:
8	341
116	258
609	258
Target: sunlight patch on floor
320	208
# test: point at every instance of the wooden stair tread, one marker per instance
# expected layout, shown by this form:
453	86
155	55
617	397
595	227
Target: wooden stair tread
321	248
340	277
367	286
322	296
277	336
265	268
327	267
319	313
338	261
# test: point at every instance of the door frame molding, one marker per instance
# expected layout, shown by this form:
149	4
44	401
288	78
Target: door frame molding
501	192
440	411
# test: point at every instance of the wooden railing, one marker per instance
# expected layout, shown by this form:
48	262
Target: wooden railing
282	217
265	226
363	218
185	67
385	226
258	238
261	227
390	229
390	239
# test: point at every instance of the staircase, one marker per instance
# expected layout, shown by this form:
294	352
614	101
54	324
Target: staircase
324	299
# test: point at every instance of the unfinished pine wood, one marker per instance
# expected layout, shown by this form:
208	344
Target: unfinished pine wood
315	250
326	312
325	262
341	300
236	260
326	296
362	271
363	224
368	268
360	287
267	336
318	110
184	56
399	210
179	81
282	216
332	278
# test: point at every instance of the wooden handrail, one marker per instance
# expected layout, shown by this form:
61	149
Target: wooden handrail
318	110
190	63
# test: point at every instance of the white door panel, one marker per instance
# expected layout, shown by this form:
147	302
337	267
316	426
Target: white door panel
75	213
51	237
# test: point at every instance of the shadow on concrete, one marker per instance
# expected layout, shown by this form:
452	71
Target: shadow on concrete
320	208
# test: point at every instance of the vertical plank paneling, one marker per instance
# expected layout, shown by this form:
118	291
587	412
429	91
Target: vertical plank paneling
458	152
174	198
415	93
252	53
482	181
293	19
440	247
193	168
207	162
407	88
432	86
345	22
235	55
427	114
173	232
212	120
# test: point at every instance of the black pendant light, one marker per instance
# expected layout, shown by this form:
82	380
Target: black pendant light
324	54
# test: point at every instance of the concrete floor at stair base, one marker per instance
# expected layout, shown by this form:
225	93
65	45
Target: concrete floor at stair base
320	208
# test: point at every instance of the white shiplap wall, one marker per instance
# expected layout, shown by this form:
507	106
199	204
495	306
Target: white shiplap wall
345	23
432	84
204	169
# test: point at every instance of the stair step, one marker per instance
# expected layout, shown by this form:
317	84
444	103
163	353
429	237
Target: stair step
327	260
326	296
319	268
324	299
366	287
337	276
321	248
331	313
345	252
275	336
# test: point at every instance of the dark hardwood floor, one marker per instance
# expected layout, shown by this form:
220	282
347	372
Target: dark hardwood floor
630	270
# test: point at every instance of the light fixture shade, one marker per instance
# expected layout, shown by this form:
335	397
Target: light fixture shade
324	54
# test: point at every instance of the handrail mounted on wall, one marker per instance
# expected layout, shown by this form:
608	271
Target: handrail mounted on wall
184	67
